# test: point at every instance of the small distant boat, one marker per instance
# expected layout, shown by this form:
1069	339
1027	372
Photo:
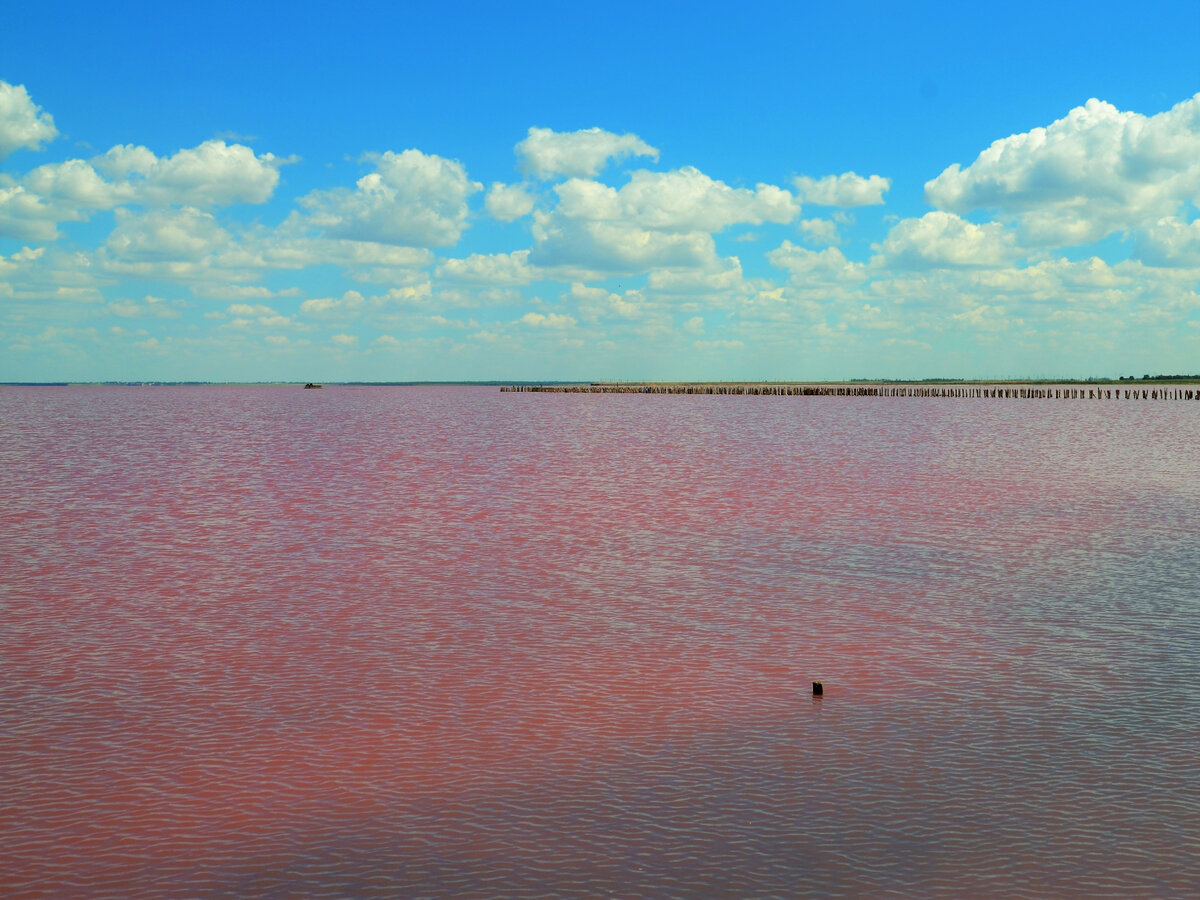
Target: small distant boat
312	387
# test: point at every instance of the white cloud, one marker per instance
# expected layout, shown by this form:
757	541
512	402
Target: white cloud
124	160
440	321
828	266
411	199
26	217
251	309
22	122
847	189
410	295
48	274
656	220
941	239
508	202
546	153
349	302
344	340
165	235
609	248
492	268
153	307
553	321
212	174
724	279
694	325
10	265
353	303
822	232
74	182
682	200
1094	172
1169	242
240	292
187	244
274	251
983	318
597	303
246	314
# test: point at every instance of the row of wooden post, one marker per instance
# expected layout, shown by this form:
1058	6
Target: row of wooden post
1040	392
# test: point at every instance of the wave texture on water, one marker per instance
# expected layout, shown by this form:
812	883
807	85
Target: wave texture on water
453	642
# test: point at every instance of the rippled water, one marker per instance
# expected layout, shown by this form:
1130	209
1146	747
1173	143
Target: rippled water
449	642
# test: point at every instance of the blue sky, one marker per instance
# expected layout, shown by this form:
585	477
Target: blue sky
541	191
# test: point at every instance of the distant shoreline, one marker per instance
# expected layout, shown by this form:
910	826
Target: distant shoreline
854	382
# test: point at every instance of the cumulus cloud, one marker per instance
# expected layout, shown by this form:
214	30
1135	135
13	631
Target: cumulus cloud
822	232
211	175
553	321
353	303
1094	172
273	250
11	264
411	199
847	189
356	256
189	244
247	314
940	239
126	160
596	303
546	153
681	200
656	220
241	292
614	248
167	235
251	309
22	122
1169	242
826	266
724	279
152	307
349	302
48	274
490	268
74	182
27	217
508	202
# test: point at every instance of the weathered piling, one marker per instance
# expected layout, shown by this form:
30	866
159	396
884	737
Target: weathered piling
976	390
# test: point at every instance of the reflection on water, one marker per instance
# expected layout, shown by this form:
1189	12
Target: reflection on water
448	642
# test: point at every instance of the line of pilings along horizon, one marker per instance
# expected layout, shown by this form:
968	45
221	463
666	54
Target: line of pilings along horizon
1040	392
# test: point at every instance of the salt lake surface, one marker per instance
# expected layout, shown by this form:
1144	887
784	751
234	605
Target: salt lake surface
449	642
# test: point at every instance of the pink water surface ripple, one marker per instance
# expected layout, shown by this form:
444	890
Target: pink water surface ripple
451	642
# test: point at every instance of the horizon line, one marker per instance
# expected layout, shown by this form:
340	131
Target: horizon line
499	382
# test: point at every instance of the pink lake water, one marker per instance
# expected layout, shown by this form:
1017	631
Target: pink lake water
447	642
